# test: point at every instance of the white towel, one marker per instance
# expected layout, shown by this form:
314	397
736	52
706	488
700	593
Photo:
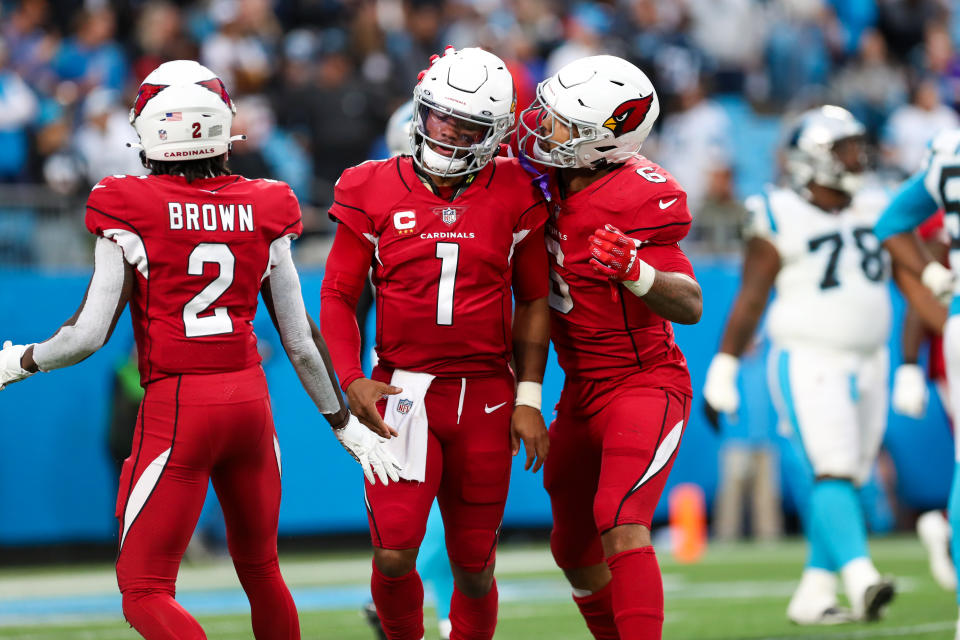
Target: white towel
406	413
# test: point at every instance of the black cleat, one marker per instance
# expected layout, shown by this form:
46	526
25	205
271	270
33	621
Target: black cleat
369	612
876	597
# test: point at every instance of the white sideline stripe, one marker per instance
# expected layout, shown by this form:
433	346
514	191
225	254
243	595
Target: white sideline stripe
517	239
276	450
141	491
662	456
893	632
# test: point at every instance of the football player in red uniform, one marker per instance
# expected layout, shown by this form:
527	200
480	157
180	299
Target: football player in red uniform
618	280
449	232
190	247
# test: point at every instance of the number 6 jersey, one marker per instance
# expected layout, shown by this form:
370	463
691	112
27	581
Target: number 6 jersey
832	286
200	251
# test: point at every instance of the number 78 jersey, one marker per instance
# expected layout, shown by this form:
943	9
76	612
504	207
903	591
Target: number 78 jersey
832	288
200	251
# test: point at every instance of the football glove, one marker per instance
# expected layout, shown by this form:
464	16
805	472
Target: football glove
10	369
615	256
720	389
910	393
366	447
939	280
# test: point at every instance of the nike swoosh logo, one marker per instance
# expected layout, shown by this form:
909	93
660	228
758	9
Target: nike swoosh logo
488	409
97	186
664	205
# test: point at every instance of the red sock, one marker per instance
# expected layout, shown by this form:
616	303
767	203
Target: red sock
272	611
473	618
637	594
399	604
597	612
157	616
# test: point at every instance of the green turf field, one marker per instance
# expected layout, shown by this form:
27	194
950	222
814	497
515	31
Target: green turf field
735	593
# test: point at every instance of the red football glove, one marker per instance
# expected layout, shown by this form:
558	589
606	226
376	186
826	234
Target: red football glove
614	254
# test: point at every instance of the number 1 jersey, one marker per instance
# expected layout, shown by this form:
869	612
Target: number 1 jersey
200	251
443	270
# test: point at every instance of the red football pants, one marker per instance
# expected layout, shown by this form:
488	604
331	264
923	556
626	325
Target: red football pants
190	429
468	472
611	449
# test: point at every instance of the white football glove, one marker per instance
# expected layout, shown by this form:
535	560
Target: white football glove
720	389
10	369
910	391
366	447
939	280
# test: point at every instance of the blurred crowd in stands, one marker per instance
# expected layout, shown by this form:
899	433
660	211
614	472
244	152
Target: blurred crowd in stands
316	80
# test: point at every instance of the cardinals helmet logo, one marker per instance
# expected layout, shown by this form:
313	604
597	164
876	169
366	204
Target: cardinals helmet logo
216	85
147	92
629	115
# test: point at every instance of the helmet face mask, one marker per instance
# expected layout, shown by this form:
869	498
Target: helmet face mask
183	112
463	109
607	105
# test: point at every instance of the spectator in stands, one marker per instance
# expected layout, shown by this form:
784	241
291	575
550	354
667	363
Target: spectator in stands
870	86
913	125
91	57
30	45
160	37
101	141
18	108
243	48
798	56
941	61
587	28
693	139
903	23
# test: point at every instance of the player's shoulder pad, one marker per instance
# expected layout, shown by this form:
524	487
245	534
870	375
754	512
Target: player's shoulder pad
944	146
659	203
107	203
871	199
356	179
510	171
282	208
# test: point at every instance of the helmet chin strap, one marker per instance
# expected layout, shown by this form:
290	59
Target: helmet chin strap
439	162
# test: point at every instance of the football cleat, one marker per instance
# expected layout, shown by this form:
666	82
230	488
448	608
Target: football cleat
934	532
876	597
830	616
369	612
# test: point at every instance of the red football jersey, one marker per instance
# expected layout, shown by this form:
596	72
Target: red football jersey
442	269
200	251
595	336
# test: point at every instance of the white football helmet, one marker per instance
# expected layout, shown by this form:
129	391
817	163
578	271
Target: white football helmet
473	87
399	129
607	103
811	149
183	112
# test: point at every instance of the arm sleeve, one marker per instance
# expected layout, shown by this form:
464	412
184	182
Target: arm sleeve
668	258
295	330
102	304
343	282
911	205
531	267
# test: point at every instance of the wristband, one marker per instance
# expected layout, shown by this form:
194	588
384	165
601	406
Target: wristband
642	285
528	394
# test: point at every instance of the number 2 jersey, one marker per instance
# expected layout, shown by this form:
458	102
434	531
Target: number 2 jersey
443	270
200	251
832	287
597	336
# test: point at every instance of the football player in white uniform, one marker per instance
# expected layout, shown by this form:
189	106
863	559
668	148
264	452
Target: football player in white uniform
829	323
935	186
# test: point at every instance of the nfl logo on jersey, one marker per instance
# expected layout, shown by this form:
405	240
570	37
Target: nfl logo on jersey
448	215
404	406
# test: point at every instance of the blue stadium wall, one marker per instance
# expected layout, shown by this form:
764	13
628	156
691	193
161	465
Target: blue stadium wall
57	483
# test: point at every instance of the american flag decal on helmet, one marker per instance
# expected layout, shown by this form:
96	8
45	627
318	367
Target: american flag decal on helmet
147	91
